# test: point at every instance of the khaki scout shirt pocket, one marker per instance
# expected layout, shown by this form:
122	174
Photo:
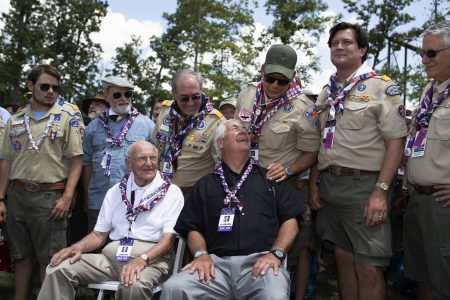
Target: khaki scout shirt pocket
278	135
353	116
439	125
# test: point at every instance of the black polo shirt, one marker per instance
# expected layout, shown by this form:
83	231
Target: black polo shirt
266	206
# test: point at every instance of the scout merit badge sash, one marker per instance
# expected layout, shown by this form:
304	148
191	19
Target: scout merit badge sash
50	129
416	142
227	215
172	133
117	140
336	96
262	112
147	203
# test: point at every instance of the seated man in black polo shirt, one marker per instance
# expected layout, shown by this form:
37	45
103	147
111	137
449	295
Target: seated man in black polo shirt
239	225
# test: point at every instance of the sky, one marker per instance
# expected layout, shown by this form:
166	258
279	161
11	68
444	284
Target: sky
144	18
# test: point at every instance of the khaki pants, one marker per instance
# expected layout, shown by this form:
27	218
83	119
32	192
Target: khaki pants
61	281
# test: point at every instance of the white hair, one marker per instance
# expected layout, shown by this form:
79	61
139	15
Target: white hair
220	133
441	28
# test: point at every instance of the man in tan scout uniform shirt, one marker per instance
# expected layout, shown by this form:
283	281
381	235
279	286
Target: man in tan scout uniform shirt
42	151
285	139
362	123
427	218
184	132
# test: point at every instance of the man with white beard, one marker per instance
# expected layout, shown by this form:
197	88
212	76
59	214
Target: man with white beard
106	140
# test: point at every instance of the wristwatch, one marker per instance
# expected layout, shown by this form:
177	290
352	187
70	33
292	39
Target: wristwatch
145	257
278	254
382	186
288	171
200	253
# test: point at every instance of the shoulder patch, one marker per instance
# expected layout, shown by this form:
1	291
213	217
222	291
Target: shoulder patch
167	103
385	78
217	113
393	90
72	109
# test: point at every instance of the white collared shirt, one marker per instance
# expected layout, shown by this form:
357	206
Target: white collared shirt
149	225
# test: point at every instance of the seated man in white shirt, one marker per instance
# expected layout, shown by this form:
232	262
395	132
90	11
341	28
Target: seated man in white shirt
138	214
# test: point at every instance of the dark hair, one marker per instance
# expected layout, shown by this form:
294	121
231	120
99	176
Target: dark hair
37	71
360	34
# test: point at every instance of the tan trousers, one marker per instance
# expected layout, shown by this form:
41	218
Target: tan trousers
61	281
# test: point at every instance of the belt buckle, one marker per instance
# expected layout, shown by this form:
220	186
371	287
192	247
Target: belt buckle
335	170
31	186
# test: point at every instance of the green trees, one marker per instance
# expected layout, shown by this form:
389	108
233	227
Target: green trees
56	32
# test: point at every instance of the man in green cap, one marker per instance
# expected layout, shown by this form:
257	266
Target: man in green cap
285	139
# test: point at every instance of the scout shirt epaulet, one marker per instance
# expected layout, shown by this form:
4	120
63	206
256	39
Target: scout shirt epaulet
71	109
167	103
217	113
384	77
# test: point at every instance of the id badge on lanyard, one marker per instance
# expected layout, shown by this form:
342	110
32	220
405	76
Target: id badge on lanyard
226	219
328	134
418	148
254	151
124	250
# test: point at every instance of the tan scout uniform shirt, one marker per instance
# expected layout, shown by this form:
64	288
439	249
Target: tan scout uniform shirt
2	130
370	117
434	166
51	163
287	133
198	155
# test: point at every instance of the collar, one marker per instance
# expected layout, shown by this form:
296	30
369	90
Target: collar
441	86
55	109
363	69
150	187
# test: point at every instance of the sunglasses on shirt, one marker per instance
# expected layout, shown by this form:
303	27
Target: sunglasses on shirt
270	79
431	53
45	87
127	94
193	97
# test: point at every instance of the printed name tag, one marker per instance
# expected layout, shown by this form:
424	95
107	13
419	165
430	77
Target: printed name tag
124	250
254	151
226	219
420	142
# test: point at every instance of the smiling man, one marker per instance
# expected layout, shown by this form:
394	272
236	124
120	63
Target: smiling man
238	226
427	218
106	140
42	163
285	139
138	215
185	128
362	118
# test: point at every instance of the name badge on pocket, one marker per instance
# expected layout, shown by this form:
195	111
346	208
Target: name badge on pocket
226	219
124	250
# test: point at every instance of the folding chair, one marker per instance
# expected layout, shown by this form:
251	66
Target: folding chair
114	285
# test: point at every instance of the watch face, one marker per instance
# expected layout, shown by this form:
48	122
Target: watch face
279	253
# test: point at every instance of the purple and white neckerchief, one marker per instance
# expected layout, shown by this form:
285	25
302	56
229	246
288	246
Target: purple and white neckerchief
272	107
117	140
422	114
231	194
36	144
146	203
172	149
336	96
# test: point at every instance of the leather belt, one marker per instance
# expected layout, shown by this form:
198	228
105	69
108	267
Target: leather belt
427	190
343	171
186	189
36	187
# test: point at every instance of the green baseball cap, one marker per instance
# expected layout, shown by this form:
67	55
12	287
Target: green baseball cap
280	59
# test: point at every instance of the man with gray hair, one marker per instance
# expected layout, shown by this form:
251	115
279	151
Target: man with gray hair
238	226
185	128
138	216
106	140
427	218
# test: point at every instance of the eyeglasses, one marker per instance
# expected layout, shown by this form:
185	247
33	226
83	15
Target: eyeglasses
127	94
270	79
431	53
193	97
45	87
144	158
